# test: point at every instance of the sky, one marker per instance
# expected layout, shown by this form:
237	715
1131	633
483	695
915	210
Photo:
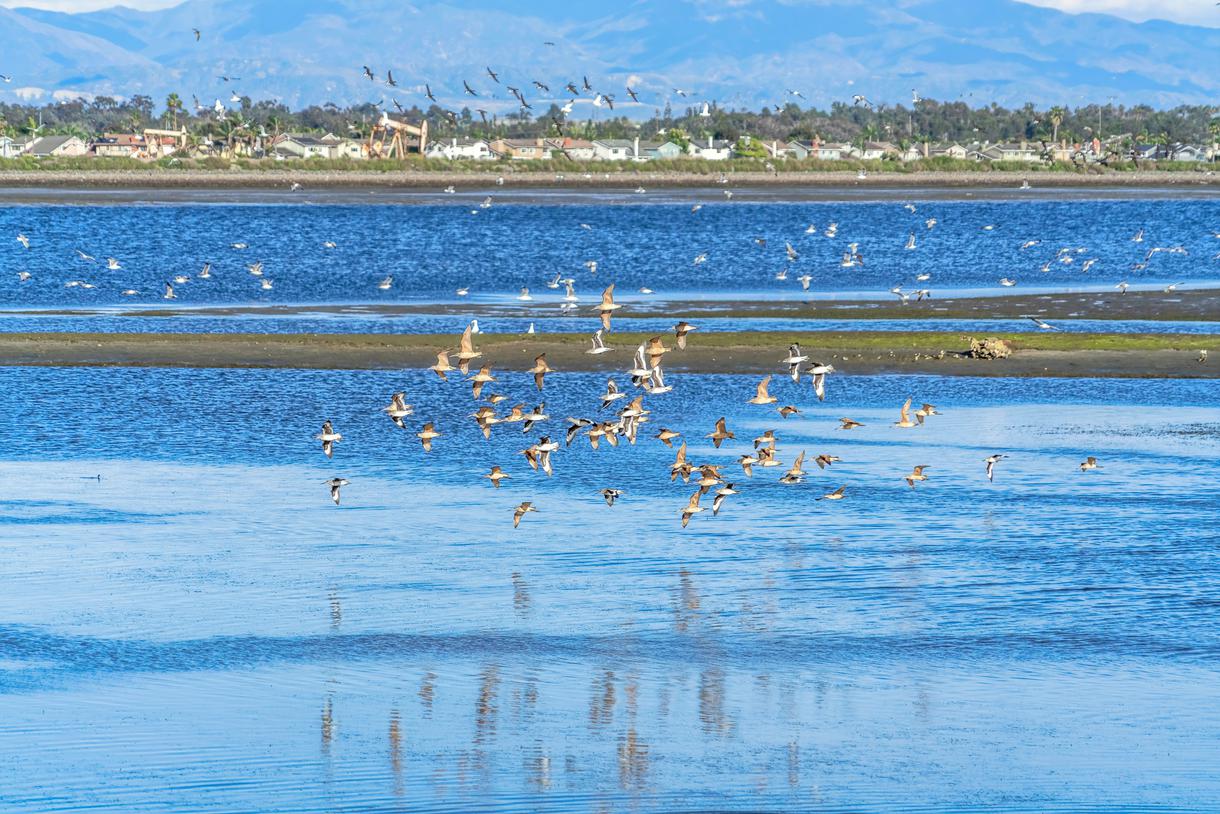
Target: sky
1199	12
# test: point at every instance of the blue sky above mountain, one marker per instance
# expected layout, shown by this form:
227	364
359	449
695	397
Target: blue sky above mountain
741	53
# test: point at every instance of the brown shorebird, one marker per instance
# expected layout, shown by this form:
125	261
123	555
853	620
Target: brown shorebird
761	396
721	433
521	511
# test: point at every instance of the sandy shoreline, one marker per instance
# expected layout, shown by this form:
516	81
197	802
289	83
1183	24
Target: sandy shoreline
1075	355
1180	306
101	186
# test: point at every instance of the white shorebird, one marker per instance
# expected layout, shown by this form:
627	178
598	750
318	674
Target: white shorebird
335	485
1046	326
599	344
112	264
1089	464
398	409
819	372
329	438
991	461
23	240
1007	282
385	284
793	360
169	292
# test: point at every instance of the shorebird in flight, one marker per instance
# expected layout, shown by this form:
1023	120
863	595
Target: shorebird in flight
599	344
819	371
335	485
479	379
837	494
1089	464
426	435
904	420
692	508
521	511
329	438
442	365
991	461
607	306
466	351
496	475
398	409
761	396
793	361
723	492
848	424
681	330
788	410
1046	326
916	475
23	240
540	369
720	434
611	495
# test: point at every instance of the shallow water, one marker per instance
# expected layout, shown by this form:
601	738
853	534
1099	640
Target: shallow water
432	249
546	322
201	629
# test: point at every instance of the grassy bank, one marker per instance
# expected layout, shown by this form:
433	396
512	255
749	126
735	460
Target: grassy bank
754	352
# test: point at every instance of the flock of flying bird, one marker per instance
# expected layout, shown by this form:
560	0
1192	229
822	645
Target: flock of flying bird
625	423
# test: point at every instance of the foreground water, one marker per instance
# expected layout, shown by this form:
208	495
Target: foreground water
200	629
430	250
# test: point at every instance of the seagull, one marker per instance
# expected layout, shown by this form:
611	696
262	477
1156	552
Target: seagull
916	475
1139	237
522	510
469	89
1122	287
328	437
112	264
611	495
385	284
991	461
198	34
1089	463
88	258
335	485
1171	288
23	240
1046	326
1202	356
1007	282
169	292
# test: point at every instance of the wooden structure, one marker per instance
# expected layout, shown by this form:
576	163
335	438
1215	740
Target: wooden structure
391	138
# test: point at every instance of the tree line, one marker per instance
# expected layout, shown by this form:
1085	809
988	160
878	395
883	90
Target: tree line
927	121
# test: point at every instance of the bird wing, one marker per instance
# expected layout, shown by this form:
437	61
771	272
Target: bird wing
906	411
761	391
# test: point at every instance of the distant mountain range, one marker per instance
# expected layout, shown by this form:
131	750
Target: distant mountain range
740	53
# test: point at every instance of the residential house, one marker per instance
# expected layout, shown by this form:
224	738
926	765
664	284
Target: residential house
296	145
945	150
1187	152
521	149
654	151
118	145
1012	152
913	152
465	149
49	146
873	151
712	150
776	149
573	148
616	149
10	147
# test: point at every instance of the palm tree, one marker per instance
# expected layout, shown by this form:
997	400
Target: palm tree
173	106
1056	116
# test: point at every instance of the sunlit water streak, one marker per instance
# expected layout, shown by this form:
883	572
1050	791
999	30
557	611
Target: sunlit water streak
200	629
